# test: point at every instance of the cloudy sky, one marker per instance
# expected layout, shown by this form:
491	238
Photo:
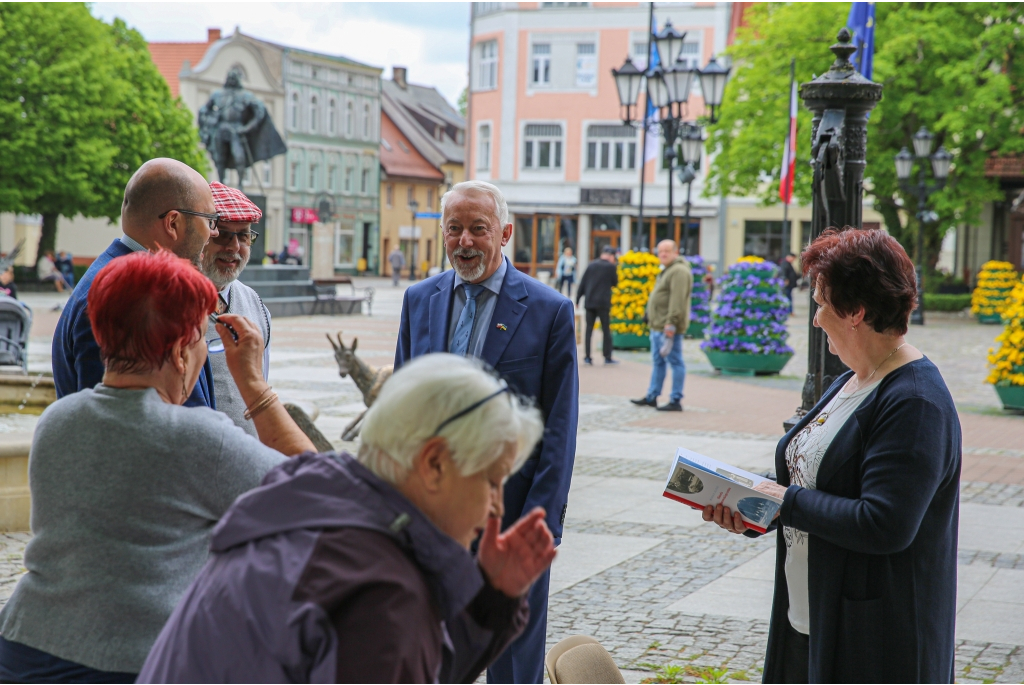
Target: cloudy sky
430	38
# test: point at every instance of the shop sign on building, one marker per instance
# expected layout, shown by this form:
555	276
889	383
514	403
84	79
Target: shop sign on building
304	215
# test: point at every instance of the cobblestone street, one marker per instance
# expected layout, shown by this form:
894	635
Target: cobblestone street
665	593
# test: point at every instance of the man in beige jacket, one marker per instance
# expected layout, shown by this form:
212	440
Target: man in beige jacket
668	314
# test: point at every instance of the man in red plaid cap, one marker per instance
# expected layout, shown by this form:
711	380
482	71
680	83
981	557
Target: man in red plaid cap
223	260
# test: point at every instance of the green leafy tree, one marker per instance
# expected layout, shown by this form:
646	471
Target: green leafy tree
955	68
84	106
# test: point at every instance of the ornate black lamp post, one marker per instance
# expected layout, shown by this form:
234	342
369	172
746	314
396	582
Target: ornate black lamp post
840	100
941	162
668	90
692	142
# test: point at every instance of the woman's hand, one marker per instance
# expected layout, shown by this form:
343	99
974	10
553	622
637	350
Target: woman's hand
730	521
512	560
244	356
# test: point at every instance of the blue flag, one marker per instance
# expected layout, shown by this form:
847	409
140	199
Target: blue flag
862	25
651	115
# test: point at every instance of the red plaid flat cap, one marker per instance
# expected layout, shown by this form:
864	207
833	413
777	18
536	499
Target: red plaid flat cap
233	205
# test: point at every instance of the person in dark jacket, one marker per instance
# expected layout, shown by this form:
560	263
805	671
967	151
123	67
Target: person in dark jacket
596	286
865	579
169	205
789	276
342	569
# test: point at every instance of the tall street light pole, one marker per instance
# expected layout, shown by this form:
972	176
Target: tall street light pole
692	142
940	163
413	206
668	90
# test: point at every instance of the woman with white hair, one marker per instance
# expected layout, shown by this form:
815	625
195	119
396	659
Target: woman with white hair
358	569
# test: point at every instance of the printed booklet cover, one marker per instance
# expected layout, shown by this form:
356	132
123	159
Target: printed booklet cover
698	481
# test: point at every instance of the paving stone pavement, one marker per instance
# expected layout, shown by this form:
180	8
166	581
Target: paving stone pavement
629	557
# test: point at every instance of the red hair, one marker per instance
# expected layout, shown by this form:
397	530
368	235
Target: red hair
863	268
141	304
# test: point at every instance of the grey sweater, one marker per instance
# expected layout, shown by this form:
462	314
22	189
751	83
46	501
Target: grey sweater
125	492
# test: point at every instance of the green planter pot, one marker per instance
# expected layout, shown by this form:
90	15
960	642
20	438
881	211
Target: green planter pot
990	318
1012	396
628	341
742	364
696	330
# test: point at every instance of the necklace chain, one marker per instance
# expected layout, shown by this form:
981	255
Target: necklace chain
824	415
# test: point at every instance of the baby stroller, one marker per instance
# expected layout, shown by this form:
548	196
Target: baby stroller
15	324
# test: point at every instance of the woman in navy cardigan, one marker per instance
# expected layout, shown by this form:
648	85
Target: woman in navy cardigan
865	576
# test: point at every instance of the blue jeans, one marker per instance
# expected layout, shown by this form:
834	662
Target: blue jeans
674	359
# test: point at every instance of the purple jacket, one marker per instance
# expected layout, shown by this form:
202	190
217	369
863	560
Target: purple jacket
327	574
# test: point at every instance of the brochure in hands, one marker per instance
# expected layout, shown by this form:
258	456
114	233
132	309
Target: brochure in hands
698	481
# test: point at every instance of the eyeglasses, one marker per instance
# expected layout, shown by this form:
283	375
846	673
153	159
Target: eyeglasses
216	344
211	219
470	408
244	237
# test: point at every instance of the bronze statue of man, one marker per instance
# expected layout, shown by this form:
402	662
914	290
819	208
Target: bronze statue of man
237	129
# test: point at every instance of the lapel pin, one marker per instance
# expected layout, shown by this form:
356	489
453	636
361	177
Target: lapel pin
502	327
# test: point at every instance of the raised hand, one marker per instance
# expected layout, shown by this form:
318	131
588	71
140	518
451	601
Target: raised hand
514	559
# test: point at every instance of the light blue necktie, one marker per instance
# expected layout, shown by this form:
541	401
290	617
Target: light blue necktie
464	329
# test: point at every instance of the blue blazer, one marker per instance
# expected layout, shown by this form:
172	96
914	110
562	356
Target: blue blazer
536	355
76	356
882	545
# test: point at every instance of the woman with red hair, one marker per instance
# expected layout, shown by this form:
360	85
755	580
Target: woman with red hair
865	586
127	484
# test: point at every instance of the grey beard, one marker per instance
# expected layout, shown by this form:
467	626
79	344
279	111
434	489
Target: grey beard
468	276
219	277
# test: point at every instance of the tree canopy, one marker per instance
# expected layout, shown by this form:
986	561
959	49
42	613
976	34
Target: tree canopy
955	68
84	106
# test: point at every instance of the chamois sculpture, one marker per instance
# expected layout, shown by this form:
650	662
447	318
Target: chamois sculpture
368	379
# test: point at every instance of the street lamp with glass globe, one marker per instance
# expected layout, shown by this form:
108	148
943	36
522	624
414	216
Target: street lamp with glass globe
668	87
940	164
692	142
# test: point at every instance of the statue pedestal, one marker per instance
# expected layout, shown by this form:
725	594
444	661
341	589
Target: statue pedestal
321	258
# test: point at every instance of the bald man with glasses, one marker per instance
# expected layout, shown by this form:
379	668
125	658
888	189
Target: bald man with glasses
167	205
224	258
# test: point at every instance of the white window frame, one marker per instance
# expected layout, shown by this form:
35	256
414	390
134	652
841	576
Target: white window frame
293	113
314	176
314	106
332	116
268	173
349	174
366	121
293	178
364	181
484	139
487	65
340	231
332	178
608	148
350	115
540	64
541	141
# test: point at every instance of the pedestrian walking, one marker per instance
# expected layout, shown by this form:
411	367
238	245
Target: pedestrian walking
565	271
168	205
668	315
596	288
790	277
866	560
484	307
397	261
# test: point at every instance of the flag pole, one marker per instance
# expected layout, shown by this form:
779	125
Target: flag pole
643	145
785	207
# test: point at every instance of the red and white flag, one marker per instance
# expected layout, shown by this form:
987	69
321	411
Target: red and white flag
789	153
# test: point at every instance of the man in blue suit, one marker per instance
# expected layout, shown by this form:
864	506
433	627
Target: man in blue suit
486	309
167	204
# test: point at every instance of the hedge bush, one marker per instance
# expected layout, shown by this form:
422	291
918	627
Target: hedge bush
946	303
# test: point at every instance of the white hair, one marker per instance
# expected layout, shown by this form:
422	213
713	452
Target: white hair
501	207
422	395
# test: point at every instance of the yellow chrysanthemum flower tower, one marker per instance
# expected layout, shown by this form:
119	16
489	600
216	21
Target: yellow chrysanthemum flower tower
637	273
1007	363
995	281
